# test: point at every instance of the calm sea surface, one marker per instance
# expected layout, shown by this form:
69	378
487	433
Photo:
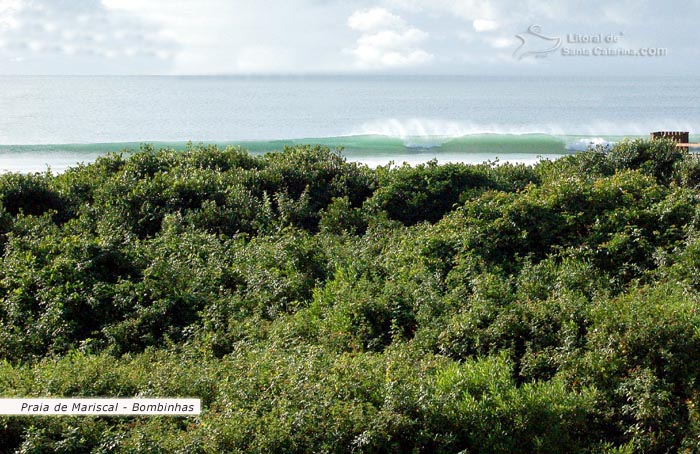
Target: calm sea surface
58	121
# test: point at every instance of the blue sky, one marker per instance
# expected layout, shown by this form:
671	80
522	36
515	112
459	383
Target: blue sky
313	36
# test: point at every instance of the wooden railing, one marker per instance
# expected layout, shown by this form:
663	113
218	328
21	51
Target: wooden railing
682	138
676	136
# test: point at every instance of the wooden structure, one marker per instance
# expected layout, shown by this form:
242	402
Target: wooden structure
676	136
682	138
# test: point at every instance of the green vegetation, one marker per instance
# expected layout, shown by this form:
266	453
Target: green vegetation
316	305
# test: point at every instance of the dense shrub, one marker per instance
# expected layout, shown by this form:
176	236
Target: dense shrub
316	305
425	192
642	355
29	194
657	158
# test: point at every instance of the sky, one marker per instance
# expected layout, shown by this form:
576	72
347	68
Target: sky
216	37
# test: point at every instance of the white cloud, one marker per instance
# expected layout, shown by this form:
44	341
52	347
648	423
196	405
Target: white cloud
391	49
374	19
223	36
8	14
9	5
80	36
484	25
288	36
472	9
388	41
502	42
509	12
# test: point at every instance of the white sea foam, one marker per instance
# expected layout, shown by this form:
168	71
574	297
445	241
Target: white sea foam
588	142
445	129
441	130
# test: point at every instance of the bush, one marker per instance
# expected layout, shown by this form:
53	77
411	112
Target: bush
323	306
642	354
656	158
31	194
425	192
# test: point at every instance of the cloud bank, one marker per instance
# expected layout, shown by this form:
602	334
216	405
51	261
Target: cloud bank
76	36
333	36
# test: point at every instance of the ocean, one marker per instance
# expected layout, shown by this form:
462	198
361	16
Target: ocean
55	122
